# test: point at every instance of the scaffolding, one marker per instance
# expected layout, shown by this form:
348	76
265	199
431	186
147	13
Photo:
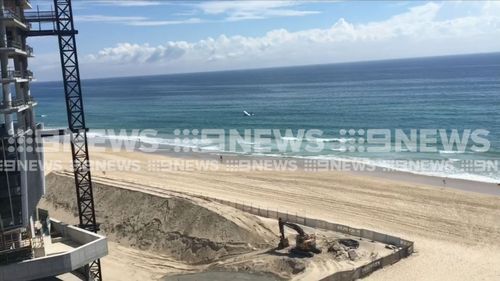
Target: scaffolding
16	104
60	23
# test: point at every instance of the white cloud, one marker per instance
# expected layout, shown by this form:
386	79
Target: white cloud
491	8
402	31
135	21
105	18
127	3
126	52
164	22
244	10
268	14
220	7
229	10
420	31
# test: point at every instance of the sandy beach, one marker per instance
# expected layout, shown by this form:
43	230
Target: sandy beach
456	233
263	140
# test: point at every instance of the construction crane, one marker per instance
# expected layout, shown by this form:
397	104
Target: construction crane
60	23
305	244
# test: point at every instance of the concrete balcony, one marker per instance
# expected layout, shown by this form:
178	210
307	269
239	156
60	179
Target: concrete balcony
14	44
10	14
12	18
73	249
14	48
17	105
17	76
14	246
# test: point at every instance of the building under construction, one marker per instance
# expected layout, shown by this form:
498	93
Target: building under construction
33	246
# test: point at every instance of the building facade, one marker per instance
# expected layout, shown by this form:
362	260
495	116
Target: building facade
21	156
34	246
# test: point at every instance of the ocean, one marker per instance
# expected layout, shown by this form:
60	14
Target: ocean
453	92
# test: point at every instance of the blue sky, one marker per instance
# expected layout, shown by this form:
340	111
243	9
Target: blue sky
140	37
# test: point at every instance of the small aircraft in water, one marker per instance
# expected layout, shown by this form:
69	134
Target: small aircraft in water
248	114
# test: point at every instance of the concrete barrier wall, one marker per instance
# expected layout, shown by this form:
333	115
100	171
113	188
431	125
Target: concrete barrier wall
94	246
405	247
74	233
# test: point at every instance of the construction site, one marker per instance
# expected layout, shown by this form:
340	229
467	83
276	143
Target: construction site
201	238
58	225
33	245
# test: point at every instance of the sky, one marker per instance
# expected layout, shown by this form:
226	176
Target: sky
148	37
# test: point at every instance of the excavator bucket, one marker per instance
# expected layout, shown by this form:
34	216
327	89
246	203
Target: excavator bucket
283	243
305	244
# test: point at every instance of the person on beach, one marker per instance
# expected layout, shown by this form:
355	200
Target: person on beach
220	159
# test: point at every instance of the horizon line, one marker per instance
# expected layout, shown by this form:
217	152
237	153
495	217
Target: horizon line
277	67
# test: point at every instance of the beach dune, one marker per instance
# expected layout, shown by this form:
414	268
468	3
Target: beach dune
456	233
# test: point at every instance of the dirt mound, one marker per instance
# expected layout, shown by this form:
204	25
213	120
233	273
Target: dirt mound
277	265
193	230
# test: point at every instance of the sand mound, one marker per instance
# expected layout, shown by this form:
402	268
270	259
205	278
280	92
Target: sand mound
193	230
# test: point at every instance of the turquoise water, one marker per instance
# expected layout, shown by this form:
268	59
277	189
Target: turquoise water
458	92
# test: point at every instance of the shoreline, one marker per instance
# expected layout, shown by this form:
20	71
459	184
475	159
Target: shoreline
379	172
375	172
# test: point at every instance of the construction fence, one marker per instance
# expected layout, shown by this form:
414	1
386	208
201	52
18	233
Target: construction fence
404	247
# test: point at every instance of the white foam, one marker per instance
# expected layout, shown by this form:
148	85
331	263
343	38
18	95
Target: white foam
291	138
257	151
456	174
339	140
211	148
451	152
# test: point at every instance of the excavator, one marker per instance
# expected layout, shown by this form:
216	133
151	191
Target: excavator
305	244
